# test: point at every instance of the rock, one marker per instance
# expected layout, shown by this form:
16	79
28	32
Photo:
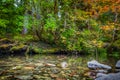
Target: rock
24	77
5	41
38	77
17	67
96	65
117	64
28	67
100	75
39	64
19	47
7	77
117	70
101	71
53	75
64	64
55	70
49	65
111	76
90	74
46	75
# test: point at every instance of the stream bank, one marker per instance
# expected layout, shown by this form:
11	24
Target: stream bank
12	47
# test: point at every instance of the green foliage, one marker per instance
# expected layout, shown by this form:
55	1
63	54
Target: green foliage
106	17
9	17
117	43
67	36
102	53
51	23
19	23
116	55
3	23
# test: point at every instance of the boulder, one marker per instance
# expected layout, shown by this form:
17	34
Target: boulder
111	76
117	64
100	75
96	65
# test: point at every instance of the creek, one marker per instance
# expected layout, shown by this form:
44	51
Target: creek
46	67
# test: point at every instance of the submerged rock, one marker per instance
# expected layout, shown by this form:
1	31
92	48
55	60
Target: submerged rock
96	65
64	64
49	64
17	67
24	77
111	76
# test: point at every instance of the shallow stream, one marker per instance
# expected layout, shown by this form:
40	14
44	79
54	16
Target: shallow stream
46	67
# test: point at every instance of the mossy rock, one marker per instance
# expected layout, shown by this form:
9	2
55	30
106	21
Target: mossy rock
6	46
41	47
37	50
51	50
40	50
19	47
5	41
10	46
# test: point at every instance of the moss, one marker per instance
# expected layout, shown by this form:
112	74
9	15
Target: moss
26	47
5	41
37	50
18	47
45	50
25	39
51	50
4	46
